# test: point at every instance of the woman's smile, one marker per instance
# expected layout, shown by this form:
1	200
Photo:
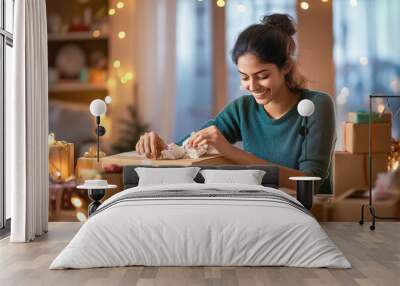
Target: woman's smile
260	95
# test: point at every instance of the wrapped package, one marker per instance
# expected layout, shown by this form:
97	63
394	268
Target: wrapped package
174	151
61	159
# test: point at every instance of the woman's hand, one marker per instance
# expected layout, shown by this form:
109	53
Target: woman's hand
151	145
210	136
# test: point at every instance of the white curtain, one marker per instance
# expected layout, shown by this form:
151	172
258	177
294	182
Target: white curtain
27	124
155	21
194	66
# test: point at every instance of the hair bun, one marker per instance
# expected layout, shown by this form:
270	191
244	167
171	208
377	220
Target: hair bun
283	22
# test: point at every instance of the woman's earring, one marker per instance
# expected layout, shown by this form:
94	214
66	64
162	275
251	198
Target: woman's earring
241	87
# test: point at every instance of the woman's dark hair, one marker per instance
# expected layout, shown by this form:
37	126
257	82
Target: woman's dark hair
272	42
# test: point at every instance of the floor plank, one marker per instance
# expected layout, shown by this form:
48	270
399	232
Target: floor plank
375	257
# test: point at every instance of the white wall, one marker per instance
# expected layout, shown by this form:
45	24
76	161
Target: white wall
315	45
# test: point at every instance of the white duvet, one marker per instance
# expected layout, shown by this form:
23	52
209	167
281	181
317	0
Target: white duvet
200	231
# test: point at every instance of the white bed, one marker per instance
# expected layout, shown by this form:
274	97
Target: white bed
184	230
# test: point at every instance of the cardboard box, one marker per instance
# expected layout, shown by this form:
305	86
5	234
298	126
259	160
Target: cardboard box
356	137
88	168
346	208
350	171
363	117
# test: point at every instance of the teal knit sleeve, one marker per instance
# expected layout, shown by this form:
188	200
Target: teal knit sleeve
227	122
321	138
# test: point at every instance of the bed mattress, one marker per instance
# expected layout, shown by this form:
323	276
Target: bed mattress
201	225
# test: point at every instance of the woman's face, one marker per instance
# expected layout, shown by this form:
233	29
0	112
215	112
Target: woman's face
263	80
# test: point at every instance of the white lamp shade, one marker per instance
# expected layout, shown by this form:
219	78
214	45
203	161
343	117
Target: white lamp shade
305	107
98	107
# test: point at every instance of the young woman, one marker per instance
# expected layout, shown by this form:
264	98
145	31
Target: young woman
267	121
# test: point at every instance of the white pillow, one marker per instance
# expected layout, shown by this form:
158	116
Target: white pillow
162	176
248	177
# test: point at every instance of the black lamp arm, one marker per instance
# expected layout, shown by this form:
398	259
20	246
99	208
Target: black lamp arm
100	131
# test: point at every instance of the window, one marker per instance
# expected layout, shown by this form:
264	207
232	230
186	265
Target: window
241	14
6	64
367	56
194	70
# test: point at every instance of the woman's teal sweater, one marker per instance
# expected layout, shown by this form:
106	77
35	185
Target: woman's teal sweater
278	141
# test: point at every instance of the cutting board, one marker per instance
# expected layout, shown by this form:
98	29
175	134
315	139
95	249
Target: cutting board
133	158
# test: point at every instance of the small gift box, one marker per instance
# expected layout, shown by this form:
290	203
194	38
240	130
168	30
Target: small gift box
87	167
362	116
61	159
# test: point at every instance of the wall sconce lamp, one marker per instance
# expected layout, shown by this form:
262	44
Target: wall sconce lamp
98	108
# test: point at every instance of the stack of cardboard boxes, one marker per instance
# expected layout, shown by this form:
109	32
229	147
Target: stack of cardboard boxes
350	166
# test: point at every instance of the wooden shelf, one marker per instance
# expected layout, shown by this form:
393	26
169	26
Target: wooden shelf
74	36
76	87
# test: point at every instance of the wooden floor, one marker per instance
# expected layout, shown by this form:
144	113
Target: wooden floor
375	257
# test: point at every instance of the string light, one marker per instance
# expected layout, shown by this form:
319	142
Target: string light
81	216
116	64
241	8
325	1
126	77
124	80
108	99
121	35
96	33
76	202
381	108
221	3
304	5
353	3
129	76
394	157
